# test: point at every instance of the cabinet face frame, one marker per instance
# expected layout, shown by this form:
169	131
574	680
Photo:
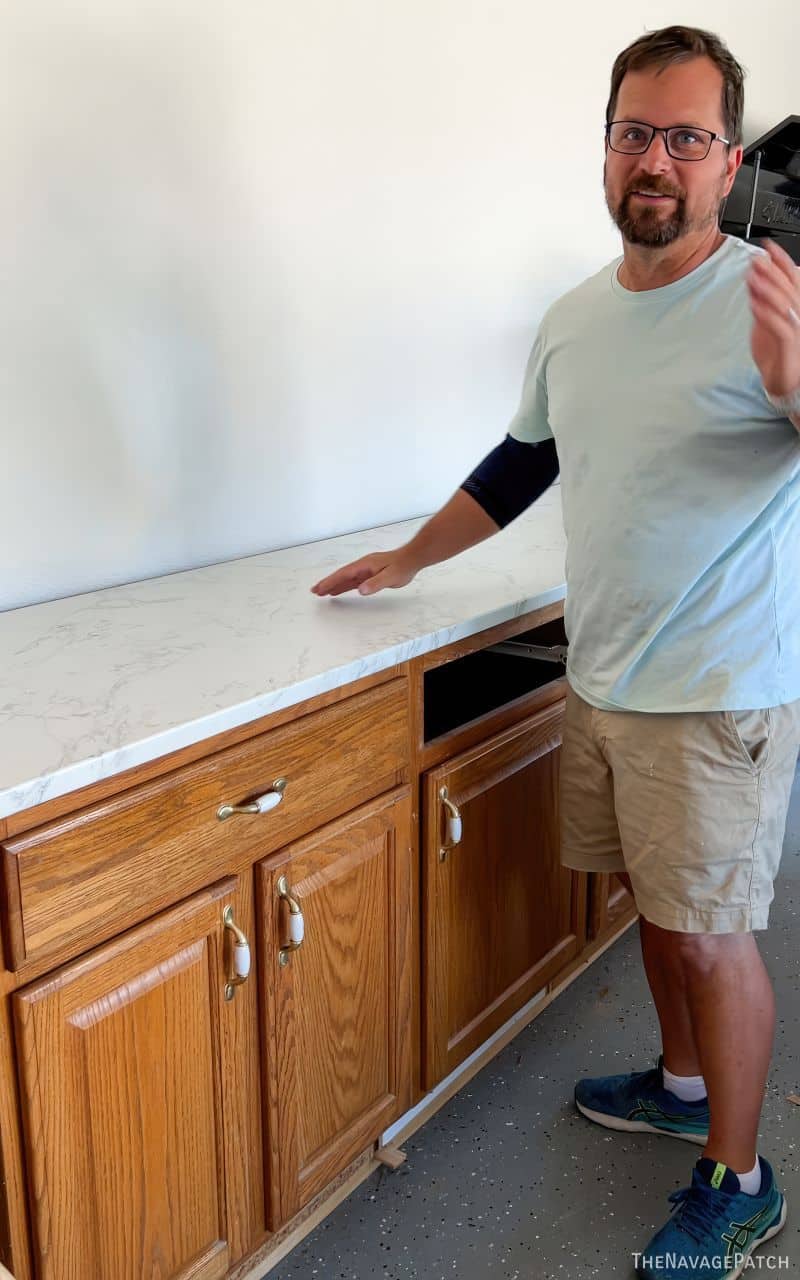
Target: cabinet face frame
98	1019
471	774
370	852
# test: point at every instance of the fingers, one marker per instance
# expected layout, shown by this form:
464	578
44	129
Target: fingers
371	585
779	273
782	261
769	286
770	293
383	579
774	320
346	579
367	575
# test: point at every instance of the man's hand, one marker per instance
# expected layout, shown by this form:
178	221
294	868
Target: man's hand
773	283
460	524
369	574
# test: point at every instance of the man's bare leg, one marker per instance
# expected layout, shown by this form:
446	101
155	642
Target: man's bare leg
716	1009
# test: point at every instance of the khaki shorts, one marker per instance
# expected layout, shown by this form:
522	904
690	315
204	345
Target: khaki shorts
691	804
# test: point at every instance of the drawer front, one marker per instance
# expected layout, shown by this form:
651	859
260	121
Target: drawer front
77	881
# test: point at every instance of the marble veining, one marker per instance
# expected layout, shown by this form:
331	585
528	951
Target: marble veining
94	684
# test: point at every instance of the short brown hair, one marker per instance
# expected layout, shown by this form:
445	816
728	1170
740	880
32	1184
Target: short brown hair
679	44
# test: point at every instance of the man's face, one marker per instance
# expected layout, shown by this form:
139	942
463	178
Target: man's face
685	194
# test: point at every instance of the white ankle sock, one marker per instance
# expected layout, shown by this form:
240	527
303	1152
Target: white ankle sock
751	1182
687	1088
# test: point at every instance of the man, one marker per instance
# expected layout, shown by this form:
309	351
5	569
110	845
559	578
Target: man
670	384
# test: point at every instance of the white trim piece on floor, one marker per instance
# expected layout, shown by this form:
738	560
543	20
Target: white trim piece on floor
459	1075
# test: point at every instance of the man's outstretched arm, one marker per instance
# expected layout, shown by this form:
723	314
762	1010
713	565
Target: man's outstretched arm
502	486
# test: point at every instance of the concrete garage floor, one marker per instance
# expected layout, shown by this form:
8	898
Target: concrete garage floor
508	1180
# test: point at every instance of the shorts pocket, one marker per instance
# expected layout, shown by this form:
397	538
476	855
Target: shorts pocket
750	735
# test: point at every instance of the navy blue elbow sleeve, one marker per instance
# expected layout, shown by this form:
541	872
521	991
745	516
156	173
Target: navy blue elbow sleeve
511	477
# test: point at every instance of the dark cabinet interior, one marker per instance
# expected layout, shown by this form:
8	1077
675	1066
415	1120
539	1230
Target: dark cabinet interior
466	688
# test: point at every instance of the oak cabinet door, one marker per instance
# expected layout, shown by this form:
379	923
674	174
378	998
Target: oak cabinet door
125	1077
337	1059
501	917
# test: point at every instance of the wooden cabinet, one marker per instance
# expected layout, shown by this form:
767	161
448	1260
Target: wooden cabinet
171	1133
337	1060
610	905
501	916
115	863
128	1078
149	1150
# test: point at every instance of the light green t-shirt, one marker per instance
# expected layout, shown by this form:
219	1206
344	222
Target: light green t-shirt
680	486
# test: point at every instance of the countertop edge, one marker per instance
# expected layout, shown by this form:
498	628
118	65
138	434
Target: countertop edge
74	777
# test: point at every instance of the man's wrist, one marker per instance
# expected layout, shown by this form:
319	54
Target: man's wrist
412	555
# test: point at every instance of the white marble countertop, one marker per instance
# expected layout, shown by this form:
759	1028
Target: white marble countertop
94	684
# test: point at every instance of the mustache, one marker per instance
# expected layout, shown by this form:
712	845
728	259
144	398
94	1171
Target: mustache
656	185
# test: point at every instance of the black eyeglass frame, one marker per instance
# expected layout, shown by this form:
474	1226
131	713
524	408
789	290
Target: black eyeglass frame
712	138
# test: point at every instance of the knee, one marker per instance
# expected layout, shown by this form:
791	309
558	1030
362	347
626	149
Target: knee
697	955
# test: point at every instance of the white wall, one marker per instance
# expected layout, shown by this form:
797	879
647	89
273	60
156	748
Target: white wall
271	272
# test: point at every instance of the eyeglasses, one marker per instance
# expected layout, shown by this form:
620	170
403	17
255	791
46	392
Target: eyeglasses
683	142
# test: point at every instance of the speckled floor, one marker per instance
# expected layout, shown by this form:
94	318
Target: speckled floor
508	1180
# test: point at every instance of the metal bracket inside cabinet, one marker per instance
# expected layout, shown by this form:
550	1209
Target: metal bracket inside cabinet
541	652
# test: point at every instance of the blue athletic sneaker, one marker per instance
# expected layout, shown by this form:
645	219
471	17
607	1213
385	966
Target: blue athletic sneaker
714	1226
639	1103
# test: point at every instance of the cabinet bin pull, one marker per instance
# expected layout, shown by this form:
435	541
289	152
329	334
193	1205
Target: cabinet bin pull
454	825
262	804
296	922
240	955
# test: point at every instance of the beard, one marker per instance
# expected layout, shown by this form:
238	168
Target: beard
650	225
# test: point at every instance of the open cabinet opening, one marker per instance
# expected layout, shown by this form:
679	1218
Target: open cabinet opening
460	691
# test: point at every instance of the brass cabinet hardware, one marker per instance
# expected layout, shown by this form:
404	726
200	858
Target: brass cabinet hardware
262	804
296	922
240	955
454	825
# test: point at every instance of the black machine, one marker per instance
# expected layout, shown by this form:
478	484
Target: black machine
764	201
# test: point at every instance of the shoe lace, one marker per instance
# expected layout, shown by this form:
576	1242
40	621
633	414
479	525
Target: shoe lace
649	1079
697	1210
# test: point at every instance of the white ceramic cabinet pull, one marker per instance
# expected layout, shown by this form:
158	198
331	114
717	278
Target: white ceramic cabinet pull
297	928
241	960
240	955
453	824
262	804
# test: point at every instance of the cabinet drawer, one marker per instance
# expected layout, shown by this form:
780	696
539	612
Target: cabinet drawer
81	879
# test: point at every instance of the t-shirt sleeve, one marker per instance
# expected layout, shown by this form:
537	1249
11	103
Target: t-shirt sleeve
530	423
